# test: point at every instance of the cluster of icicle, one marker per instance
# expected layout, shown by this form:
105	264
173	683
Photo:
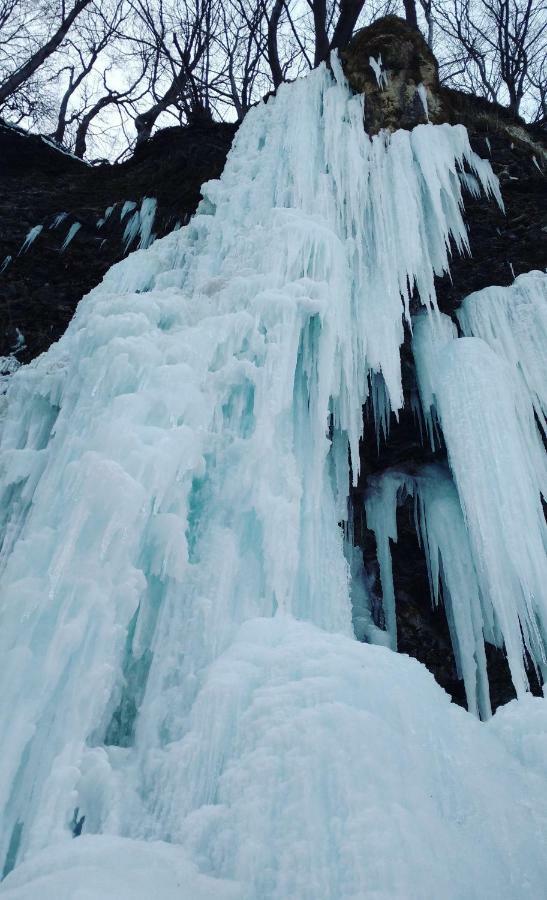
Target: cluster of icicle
174	471
139	225
486	541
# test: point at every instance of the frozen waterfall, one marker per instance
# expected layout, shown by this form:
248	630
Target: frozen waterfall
178	658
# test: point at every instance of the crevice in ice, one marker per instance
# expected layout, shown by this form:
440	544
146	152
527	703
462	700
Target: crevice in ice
121	729
77	823
13	849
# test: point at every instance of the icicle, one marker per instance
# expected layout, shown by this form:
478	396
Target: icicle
421	90
441	529
59	218
431	333
128	206
141	223
71	233
381	507
380	75
147	216
490	436
30	238
131	229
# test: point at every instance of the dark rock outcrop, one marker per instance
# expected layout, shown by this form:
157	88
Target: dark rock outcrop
388	62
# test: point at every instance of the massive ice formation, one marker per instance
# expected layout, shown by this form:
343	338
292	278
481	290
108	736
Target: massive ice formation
179	664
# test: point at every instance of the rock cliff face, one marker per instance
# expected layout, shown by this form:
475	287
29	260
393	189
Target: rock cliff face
41	285
41	186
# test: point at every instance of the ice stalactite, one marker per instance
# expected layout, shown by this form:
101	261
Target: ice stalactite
498	463
430	333
30	238
441	529
140	223
70	235
174	474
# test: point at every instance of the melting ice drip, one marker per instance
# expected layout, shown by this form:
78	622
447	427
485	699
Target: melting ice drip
177	645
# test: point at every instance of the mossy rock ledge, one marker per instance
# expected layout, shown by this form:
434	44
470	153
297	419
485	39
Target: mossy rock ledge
392	65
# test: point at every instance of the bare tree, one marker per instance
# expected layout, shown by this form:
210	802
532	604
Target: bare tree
304	35
109	97
26	70
92	36
180	38
493	47
88	72
537	75
242	42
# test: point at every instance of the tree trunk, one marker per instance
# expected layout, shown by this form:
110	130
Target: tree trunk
347	20
410	13
273	51
320	28
144	122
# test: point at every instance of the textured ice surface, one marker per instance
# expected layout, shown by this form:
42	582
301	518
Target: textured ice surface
316	767
178	660
498	462
113	868
513	322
